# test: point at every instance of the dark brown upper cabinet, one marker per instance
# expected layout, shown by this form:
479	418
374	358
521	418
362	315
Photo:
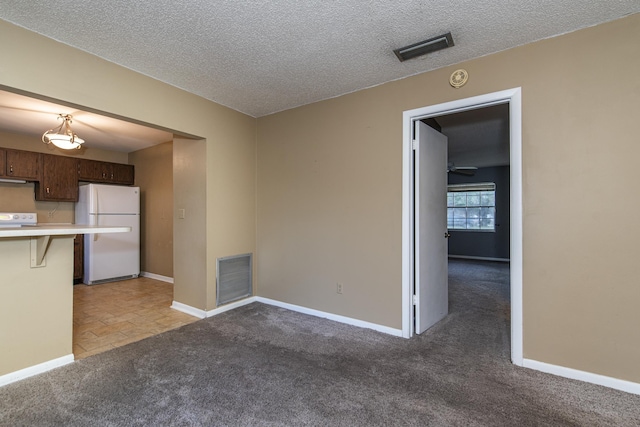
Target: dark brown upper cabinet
59	181
105	172
22	164
3	162
123	174
56	177
94	171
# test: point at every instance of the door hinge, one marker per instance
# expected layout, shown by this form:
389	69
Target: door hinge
414	144
414	300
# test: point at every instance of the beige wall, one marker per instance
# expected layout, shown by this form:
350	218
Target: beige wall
229	138
190	259
154	176
330	190
36	304
20	197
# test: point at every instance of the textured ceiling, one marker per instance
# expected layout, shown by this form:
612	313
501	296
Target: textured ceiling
262	56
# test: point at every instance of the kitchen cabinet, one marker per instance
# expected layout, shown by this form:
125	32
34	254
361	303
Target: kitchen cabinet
57	177
22	164
123	174
78	258
105	172
59	180
94	171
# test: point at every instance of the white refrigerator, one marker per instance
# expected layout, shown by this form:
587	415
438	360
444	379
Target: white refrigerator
112	256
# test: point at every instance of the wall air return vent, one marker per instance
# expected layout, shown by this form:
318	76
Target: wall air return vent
233	278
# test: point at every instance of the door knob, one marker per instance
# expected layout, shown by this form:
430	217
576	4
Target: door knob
447	235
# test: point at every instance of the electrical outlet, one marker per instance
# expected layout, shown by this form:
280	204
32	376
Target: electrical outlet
339	288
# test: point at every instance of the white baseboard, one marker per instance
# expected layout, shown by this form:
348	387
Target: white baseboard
192	311
317	313
202	314
330	316
156	277
230	306
35	370
480	258
628	386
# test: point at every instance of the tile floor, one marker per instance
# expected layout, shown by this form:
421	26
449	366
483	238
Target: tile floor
113	314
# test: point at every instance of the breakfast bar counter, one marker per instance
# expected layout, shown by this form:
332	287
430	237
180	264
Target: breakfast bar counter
36	297
58	230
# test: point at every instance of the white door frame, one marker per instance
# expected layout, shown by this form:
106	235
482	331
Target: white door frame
514	99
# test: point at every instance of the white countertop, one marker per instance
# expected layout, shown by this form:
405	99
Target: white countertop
59	230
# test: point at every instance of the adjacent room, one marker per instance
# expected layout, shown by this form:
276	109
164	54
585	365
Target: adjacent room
313	260
478	198
128	159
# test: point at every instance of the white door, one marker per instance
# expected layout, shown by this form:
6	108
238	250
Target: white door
431	270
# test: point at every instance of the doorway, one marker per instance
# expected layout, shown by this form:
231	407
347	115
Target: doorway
512	97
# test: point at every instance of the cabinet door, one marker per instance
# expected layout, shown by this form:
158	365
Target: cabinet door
23	164
3	162
123	174
94	171
59	179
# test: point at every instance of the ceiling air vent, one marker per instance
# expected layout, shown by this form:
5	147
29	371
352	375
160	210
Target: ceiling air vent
426	46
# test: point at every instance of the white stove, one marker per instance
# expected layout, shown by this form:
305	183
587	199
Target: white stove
18	219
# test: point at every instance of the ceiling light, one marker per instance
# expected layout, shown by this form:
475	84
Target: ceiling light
65	139
426	46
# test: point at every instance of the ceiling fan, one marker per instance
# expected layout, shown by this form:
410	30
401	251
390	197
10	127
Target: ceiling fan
461	170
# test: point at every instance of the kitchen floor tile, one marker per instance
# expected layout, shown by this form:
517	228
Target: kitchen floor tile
113	314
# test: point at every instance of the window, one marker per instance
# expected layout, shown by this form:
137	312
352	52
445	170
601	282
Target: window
471	206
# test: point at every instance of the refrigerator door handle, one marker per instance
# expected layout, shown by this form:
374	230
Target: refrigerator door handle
94	189
97	222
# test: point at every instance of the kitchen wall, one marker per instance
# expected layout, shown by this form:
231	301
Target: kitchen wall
485	244
330	195
225	168
20	197
154	176
228	219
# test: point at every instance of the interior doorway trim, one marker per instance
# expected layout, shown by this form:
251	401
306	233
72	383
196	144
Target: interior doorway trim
514	98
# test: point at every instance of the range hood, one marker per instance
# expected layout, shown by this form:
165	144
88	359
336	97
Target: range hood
13	181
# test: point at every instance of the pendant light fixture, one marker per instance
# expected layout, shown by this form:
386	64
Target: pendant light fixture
63	138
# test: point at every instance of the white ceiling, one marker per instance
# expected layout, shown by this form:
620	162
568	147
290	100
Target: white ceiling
29	116
263	56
